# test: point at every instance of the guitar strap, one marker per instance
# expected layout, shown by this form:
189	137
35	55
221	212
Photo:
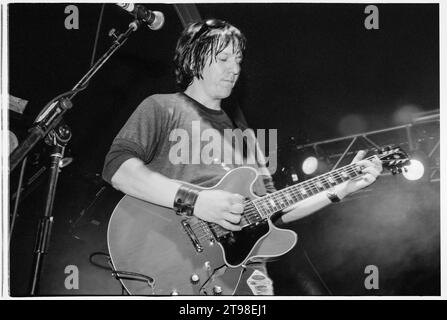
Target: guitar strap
238	119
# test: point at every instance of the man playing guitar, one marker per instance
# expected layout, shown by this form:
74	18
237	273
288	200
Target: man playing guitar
208	61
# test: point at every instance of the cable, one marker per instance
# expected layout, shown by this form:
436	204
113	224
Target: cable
316	272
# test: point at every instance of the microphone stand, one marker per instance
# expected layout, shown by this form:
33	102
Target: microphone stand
48	124
52	113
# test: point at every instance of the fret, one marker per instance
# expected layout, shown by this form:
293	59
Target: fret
303	192
311	188
258	208
352	173
271	202
326	184
277	201
338	177
265	207
319	183
281	199
287	198
331	180
345	176
251	213
296	195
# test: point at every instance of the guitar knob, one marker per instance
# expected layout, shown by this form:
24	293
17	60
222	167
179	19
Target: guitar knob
174	292
195	279
217	290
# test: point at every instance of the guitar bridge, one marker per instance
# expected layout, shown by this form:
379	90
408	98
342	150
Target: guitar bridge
195	241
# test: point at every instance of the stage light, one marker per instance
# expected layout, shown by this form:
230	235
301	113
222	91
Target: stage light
414	171
405	113
310	165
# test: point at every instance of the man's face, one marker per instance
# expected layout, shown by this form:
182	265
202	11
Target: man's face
221	75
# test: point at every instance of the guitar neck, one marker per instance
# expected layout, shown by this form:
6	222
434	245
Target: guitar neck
287	197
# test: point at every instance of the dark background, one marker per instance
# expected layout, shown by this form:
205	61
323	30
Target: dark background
312	71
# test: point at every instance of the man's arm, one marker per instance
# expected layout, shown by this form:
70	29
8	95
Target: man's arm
371	170
304	208
135	179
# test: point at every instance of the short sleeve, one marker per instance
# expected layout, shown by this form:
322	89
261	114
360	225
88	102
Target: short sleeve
138	138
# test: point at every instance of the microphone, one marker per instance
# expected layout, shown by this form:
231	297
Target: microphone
154	19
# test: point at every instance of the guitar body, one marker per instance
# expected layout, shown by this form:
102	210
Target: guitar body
151	240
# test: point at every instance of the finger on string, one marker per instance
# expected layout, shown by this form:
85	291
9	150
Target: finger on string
364	163
237	208
371	170
229	226
237	198
233	218
377	162
359	156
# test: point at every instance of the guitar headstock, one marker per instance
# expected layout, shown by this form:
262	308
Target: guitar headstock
393	158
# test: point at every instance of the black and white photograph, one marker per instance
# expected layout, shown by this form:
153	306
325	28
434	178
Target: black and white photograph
222	149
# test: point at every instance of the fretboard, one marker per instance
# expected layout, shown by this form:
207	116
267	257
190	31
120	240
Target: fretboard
282	199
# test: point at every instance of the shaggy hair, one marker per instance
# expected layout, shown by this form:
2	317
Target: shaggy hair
201	42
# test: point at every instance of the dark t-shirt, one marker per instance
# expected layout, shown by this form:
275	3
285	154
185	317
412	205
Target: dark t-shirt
180	138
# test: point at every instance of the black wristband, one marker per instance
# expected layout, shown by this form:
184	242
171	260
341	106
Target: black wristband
185	199
333	197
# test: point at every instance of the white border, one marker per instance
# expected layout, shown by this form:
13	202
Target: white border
4	163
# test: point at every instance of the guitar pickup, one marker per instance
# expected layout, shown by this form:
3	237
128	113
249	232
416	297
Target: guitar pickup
195	241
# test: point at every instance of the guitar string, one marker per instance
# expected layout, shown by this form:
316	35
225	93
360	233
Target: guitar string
200	226
249	213
309	184
204	232
311	187
293	192
296	194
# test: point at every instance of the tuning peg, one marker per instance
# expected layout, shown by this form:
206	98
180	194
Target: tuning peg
112	33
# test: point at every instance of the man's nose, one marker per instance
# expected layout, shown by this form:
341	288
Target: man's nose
235	68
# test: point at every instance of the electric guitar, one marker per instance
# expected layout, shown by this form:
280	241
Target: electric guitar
154	251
